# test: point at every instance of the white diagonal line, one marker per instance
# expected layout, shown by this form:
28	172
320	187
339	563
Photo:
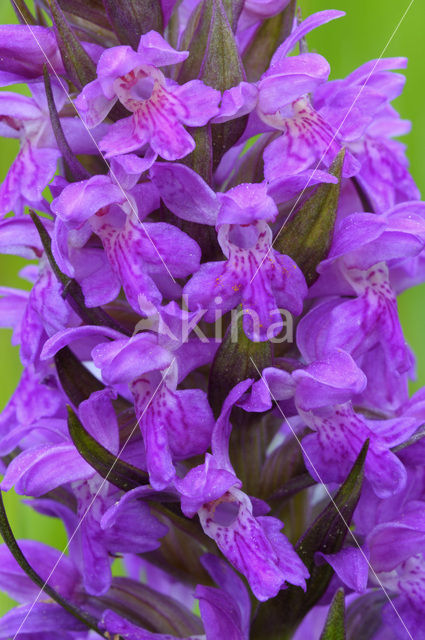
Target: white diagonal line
111	171
332	500
353	104
105	479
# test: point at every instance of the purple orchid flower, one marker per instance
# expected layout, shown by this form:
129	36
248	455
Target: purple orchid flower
359	108
143	257
100	535
196	187
397	557
252	544
160	107
38	313
27	119
153	365
367	321
255	275
281	103
322	392
47	619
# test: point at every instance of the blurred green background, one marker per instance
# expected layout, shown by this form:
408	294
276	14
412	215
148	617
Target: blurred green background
346	43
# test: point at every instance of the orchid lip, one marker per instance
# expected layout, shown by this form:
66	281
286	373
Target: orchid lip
226	513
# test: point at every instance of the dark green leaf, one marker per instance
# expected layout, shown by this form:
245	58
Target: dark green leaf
335	622
307	237
77	381
78	64
47	246
75	168
132	18
234	362
270	35
214	58
278	617
119	473
13	546
329	530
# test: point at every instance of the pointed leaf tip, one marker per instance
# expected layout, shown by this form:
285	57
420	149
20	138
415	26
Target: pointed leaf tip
233	363
214	58
213	52
75	168
334	628
119	473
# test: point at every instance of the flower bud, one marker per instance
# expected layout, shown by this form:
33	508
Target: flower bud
132	18
77	62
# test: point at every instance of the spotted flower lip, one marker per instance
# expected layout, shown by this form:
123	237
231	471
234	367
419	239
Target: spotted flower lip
322	394
255	275
253	545
175	423
253	542
218	406
160	107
